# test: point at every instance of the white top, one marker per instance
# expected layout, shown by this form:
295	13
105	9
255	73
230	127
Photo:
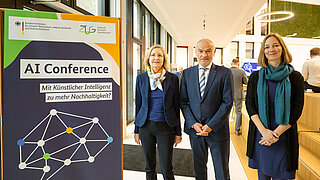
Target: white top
311	71
206	73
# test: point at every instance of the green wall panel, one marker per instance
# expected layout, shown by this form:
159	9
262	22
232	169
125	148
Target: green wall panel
305	21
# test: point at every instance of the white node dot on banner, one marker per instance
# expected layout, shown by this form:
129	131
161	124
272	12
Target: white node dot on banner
67	162
53	112
48	157
41	143
82	140
91	159
46	169
95	120
22	165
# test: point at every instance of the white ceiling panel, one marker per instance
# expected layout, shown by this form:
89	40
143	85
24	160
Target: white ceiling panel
183	19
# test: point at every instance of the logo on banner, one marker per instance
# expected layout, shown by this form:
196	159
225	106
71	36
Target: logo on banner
87	30
39	29
249	67
18	23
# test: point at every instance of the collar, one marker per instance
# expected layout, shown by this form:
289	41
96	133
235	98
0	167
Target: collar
209	66
316	57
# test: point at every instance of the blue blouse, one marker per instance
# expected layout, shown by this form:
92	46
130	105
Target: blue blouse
156	110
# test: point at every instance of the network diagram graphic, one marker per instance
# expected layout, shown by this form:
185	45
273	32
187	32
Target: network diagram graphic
48	157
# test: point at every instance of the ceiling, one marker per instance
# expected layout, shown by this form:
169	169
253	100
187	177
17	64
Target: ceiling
183	19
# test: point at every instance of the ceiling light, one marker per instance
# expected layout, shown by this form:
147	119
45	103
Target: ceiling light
289	14
291	35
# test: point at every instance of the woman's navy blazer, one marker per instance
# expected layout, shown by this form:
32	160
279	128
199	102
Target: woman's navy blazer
170	101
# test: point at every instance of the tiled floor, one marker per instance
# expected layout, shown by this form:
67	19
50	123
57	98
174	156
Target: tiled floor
236	170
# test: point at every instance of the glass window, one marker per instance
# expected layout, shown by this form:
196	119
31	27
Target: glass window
264	28
163	34
144	32
169	47
173	51
114	8
265	25
234	50
156	32
249	50
147	30
217	58
95	7
182	57
136	19
249	28
131	82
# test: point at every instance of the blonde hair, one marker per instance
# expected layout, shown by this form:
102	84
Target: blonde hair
285	56
165	57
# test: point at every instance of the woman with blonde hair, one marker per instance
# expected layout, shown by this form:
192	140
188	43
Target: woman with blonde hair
274	103
157	113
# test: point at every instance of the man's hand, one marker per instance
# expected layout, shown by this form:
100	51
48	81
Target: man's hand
177	140
206	128
197	127
137	139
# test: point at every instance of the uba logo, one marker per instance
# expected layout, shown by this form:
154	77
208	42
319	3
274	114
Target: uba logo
87	30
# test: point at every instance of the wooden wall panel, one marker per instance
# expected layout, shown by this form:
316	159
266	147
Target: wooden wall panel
245	122
311	111
311	141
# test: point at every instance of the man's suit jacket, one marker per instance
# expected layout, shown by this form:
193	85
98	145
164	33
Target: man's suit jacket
170	101
214	108
239	78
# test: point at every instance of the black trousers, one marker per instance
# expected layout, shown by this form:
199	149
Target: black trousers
160	134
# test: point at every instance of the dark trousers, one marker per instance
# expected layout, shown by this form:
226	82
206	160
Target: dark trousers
220	152
314	88
238	108
152	133
263	176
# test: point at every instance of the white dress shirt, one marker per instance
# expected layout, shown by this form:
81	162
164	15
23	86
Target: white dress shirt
206	73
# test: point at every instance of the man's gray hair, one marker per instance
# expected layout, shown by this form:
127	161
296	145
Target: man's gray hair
206	39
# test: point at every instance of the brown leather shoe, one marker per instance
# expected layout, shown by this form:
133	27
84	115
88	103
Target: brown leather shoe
238	133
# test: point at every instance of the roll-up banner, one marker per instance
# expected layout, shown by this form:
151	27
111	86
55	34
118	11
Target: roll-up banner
61	97
1	63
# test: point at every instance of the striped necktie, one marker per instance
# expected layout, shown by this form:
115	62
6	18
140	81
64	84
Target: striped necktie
202	82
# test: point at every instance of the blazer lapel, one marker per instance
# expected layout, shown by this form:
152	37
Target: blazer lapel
146	86
166	84
195	73
211	76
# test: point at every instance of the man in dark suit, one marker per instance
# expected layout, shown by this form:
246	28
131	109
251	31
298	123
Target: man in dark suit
206	96
239	79
179	73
